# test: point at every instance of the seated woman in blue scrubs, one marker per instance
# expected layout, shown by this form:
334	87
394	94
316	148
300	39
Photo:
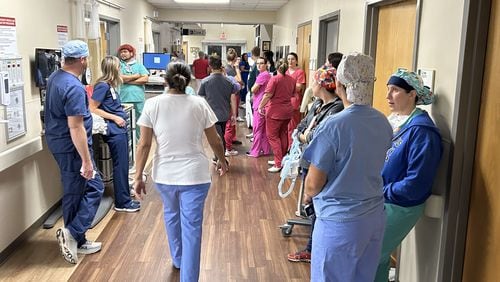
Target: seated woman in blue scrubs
105	102
346	156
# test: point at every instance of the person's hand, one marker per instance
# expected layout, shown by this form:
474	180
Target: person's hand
307	199
139	187
261	111
233	120
87	170
222	167
120	122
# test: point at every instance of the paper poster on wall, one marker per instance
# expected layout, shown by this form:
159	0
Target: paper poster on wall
16	126
8	39
62	35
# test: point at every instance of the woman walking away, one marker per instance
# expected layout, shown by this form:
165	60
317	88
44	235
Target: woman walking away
181	167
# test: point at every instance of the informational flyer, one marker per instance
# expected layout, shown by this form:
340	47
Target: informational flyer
16	126
62	35
8	38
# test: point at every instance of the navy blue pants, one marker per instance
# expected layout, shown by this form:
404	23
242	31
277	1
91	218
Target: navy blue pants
81	197
118	146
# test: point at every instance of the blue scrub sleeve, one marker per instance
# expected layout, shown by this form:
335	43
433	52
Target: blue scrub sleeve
75	101
100	91
143	70
424	155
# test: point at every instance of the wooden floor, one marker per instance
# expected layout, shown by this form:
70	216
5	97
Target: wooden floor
241	239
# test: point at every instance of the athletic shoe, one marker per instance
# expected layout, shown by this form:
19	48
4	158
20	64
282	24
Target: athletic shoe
132	192
301	256
274	169
240	119
89	247
236	142
249	135
67	245
270	162
231	153
132	207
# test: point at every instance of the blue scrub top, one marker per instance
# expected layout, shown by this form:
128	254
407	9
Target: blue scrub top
65	97
349	147
110	103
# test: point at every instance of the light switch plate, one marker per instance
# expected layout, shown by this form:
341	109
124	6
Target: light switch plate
428	77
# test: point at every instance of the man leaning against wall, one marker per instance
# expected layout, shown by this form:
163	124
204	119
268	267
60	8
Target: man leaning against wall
68	130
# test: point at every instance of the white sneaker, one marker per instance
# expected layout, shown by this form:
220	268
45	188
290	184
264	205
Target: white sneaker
270	162
89	247
67	245
274	169
249	135
231	153
240	119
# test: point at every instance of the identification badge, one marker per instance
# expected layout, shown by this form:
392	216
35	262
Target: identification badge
113	93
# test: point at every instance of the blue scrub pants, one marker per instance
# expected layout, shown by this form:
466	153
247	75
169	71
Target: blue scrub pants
118	146
183	215
81	197
400	220
347	251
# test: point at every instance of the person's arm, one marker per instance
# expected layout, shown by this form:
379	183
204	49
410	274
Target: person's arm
255	88
94	108
127	78
234	108
315	181
215	142
141	156
79	137
141	80
424	156
263	102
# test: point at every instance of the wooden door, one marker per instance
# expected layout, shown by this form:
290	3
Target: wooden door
104	39
304	48
482	252
395	42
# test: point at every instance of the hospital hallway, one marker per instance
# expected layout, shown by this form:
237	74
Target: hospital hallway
241	239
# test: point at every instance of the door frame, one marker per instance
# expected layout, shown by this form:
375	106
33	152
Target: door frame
371	27
323	20
464	132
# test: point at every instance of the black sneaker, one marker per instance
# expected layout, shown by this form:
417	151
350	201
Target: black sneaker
132	207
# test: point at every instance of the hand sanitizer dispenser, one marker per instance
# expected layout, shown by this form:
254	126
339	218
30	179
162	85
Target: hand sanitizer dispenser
4	88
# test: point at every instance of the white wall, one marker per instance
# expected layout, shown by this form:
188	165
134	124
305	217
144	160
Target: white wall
29	188
420	251
217	16
233	32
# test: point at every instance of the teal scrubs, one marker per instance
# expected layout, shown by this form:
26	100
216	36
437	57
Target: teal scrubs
133	94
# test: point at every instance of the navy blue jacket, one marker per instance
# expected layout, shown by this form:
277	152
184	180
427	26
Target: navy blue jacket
412	162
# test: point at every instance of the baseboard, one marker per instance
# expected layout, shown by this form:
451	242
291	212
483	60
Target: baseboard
4	255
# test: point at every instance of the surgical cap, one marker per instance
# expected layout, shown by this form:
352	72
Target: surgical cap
325	77
357	72
75	49
409	80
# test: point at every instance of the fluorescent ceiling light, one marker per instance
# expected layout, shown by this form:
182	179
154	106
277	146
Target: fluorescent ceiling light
202	1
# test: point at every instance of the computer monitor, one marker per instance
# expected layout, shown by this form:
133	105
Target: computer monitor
156	61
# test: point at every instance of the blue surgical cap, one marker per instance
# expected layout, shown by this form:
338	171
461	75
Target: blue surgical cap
75	49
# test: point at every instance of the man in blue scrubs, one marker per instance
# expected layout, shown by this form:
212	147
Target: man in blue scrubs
68	130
